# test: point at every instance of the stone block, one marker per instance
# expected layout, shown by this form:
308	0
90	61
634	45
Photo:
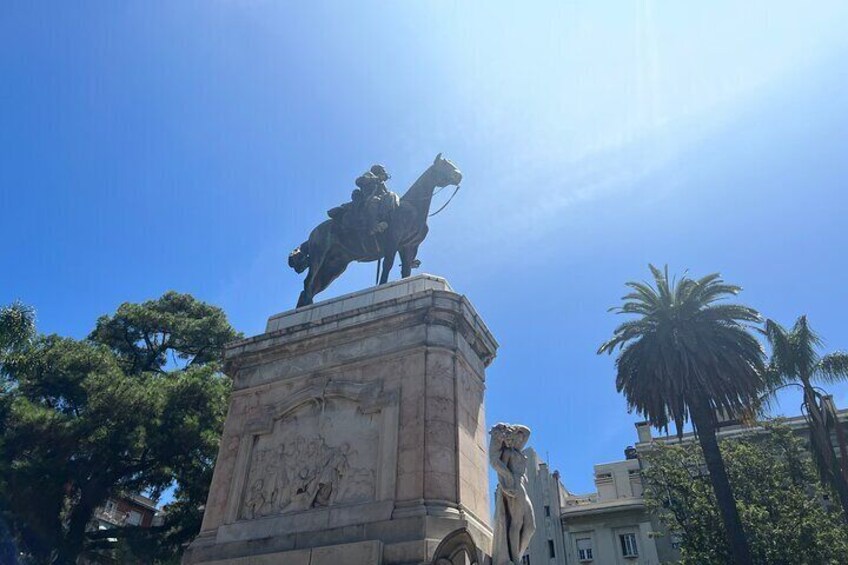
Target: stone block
363	553
301	557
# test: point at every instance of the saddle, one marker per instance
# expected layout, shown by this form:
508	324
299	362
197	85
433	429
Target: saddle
352	230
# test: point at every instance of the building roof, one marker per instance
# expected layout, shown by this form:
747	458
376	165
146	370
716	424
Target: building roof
596	507
732	428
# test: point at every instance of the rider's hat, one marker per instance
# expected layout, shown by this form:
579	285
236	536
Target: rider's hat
380	172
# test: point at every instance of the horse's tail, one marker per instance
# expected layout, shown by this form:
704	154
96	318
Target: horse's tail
299	258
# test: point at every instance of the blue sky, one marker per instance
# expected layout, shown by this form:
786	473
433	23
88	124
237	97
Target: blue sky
148	146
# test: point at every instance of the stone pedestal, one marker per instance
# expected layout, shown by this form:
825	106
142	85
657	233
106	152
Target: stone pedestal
356	434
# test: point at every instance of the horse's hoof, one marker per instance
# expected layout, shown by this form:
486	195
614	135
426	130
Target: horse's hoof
415	264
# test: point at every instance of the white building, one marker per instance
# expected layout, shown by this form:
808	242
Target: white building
607	527
611	526
547	495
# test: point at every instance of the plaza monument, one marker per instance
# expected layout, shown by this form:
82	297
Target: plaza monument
375	225
356	428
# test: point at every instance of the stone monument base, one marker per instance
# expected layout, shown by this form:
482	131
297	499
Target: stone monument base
407	541
356	435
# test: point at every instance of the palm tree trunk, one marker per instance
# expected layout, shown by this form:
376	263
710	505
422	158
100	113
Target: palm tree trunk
833	414
826	460
843	447
704	420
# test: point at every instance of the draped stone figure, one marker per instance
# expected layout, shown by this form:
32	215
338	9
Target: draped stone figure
515	522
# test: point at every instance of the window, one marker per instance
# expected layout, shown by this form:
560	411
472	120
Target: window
551	550
134	518
584	549
628	545
547	510
525	560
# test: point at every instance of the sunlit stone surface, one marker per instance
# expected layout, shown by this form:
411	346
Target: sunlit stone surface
356	427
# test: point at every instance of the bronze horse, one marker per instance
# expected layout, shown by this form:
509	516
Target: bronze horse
331	247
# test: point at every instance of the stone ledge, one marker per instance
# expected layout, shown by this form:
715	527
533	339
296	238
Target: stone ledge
399	541
361	553
355	300
363	306
306	521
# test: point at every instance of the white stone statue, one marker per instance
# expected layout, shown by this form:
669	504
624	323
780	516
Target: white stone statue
514	519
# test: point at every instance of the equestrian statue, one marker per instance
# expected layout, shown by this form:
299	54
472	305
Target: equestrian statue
375	225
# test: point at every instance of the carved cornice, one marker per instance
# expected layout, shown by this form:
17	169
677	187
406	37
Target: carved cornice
378	322
369	396
475	334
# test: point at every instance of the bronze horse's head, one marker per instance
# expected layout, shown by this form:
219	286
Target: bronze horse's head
446	172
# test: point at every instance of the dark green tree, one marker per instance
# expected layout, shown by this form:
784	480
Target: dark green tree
796	361
17	329
136	407
688	355
779	498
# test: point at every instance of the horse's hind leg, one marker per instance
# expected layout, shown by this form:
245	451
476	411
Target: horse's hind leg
388	263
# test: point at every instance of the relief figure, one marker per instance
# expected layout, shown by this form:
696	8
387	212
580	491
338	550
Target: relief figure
304	474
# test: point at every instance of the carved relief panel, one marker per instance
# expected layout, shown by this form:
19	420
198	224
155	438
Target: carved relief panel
323	447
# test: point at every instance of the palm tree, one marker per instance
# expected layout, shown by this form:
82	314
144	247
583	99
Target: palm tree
688	356
795	361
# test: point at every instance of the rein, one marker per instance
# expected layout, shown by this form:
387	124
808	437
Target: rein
445	205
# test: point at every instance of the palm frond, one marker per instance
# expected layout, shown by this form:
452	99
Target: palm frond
730	313
644	293
804	343
782	354
833	367
662	284
774	378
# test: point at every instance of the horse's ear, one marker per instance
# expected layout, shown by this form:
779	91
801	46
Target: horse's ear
437	159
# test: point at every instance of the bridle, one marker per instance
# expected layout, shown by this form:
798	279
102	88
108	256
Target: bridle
445	205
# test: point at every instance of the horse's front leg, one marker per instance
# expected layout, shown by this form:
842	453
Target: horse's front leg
388	262
306	296
408	260
317	256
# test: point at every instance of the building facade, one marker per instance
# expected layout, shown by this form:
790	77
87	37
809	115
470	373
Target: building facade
612	525
608	527
547	495
126	510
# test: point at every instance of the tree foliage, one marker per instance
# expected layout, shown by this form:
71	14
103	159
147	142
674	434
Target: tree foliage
688	354
779	499
136	407
17	327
